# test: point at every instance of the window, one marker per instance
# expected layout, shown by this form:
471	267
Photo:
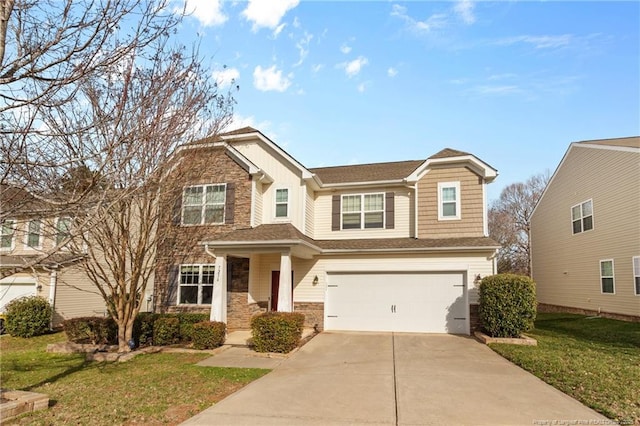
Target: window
582	217
203	204
33	233
6	238
282	203
363	211
606	276
448	200
196	284
636	274
63	229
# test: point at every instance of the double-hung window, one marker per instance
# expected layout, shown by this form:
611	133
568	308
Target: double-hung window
6	236
33	234
363	211
63	230
196	284
203	204
582	217
607	276
448	200
636	274
282	203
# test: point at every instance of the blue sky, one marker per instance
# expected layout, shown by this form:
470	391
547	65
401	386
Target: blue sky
512	82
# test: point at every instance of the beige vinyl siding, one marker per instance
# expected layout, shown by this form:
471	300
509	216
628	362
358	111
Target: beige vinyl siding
257	203
309	213
402	207
76	296
566	266
471	223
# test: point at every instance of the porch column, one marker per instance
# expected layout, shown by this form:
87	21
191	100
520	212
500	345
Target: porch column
219	299
285	293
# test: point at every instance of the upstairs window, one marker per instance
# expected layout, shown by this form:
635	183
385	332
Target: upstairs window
33	234
448	200
203	204
6	236
363	211
607	277
582	217
282	203
636	274
196	284
63	230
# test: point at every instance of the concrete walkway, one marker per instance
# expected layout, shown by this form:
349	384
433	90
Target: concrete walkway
396	379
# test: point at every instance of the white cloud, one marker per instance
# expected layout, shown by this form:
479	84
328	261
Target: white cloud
225	76
238	122
354	67
270	79
392	72
464	10
362	87
278	30
345	48
432	23
316	68
208	12
267	14
539	42
303	48
296	22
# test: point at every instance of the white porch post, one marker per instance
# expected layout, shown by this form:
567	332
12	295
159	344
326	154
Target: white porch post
219	299
285	293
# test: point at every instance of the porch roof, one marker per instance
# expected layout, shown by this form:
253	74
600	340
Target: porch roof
274	236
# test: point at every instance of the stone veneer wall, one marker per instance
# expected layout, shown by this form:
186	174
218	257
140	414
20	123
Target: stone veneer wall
313	314
474	318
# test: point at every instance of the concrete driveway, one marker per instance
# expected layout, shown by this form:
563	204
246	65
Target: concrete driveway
396	379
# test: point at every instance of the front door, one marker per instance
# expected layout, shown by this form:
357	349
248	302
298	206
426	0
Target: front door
275	285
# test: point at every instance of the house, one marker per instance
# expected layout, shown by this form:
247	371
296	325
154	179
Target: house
585	231
397	246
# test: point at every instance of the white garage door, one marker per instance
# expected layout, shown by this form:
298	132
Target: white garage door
13	288
411	302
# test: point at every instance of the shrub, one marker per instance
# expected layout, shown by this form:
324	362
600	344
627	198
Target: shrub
277	331
95	330
143	328
208	334
507	304
187	320
28	316
166	331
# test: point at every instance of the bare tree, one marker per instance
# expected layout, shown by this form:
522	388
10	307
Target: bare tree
510	223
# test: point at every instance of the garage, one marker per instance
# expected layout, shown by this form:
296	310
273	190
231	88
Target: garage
404	302
14	288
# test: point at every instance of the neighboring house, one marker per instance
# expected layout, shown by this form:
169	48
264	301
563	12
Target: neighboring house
29	236
396	246
585	231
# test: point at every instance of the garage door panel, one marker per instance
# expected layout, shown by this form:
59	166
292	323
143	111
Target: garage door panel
412	302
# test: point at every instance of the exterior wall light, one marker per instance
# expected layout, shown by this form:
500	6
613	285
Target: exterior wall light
315	280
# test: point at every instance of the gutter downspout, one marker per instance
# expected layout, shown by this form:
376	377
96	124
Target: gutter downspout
53	281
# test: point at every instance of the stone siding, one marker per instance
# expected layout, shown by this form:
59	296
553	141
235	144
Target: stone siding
313	314
474	318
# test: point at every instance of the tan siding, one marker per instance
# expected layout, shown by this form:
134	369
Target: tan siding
471	223
310	213
566	266
76	296
257	206
403	215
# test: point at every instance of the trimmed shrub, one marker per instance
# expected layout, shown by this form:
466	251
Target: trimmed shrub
143	328
507	304
208	334
166	331
95	330
28	316
187	320
277	331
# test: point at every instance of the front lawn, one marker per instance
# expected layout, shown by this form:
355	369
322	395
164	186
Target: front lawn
150	389
594	360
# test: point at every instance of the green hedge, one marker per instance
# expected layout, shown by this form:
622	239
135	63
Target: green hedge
208	334
187	320
28	316
166	331
95	330
143	330
507	304
277	331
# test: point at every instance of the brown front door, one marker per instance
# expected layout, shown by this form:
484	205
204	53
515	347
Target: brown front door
275	285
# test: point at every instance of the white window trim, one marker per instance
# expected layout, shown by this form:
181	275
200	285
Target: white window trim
275	204
362	211
202	213
636	273
58	219
593	223
13	234
199	285
441	186
613	276
27	233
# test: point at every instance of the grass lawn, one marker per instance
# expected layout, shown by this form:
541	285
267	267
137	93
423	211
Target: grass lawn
153	389
594	360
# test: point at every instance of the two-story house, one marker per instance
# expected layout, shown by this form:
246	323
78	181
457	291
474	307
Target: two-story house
396	246
585	231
